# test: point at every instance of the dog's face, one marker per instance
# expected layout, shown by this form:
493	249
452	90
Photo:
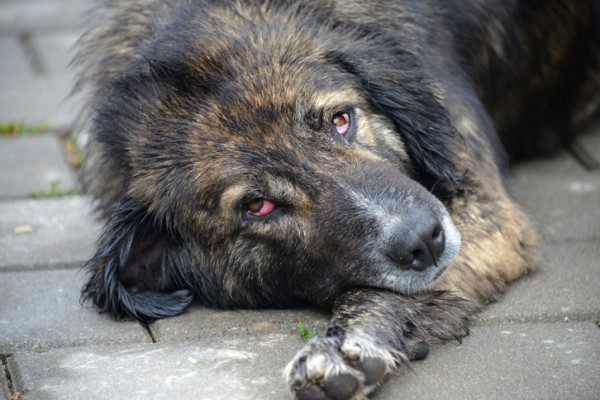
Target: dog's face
269	168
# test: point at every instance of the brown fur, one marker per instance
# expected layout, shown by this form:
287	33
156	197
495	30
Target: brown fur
199	110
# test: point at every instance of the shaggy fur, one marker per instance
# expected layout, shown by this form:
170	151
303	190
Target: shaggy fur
348	155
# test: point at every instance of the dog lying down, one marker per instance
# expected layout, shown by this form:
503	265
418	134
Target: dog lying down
349	155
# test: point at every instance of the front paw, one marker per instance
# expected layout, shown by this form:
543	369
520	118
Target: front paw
340	367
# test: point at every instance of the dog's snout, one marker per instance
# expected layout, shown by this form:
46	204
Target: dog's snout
418	241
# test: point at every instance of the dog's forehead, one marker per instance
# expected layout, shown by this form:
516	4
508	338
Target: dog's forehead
283	86
254	96
273	62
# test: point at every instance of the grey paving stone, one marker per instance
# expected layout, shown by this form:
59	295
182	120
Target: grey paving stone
30	164
39	99
565	207
46	233
17	60
40	310
56	51
532	361
41	15
207	369
202	322
564	288
36	82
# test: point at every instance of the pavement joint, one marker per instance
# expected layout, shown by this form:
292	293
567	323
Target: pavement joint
7	384
33	56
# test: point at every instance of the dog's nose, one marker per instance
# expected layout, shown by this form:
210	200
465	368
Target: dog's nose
418	241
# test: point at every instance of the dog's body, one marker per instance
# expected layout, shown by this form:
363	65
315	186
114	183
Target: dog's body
345	155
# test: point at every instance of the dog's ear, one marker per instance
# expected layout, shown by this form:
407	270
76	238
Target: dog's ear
396	87
136	270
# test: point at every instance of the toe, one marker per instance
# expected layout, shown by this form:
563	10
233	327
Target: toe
373	368
311	392
420	351
341	387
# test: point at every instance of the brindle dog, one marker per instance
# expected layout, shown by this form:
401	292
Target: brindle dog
345	154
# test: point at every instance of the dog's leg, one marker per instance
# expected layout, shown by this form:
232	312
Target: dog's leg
370	334
373	331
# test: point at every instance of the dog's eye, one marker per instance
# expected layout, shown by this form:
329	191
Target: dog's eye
342	123
260	207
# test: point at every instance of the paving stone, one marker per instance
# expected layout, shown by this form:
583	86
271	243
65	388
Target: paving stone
207	369
46	233
30	164
17	60
41	15
56	51
532	361
36	82
40	310
564	288
565	207
39	100
202	322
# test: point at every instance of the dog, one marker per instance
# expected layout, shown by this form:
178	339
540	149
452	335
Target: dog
347	155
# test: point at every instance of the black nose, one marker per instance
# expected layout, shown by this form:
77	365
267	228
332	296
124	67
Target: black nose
418	241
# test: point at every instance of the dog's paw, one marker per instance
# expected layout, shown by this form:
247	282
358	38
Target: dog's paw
332	367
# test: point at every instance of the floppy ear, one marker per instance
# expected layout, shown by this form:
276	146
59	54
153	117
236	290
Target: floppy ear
397	88
137	268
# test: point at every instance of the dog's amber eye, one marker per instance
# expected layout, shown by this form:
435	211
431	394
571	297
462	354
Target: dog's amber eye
260	207
342	123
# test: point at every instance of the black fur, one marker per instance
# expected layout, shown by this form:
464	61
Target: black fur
133	249
200	110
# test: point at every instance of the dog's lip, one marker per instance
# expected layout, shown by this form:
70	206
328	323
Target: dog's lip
438	273
425	278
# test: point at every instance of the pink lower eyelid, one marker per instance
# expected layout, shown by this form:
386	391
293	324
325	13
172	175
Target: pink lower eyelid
266	208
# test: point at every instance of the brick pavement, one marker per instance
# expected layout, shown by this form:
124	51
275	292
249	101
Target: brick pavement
541	342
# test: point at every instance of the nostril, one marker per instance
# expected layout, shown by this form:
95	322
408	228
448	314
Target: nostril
422	258
418	255
438	242
437	232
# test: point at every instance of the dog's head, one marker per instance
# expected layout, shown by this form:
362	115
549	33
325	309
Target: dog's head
283	159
